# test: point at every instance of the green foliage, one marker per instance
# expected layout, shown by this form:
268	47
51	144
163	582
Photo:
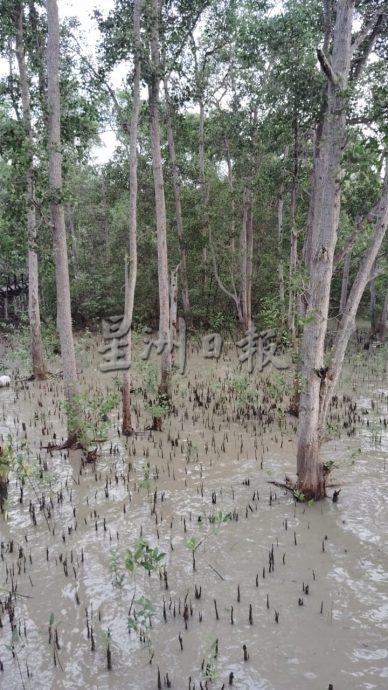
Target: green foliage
88	414
219	518
143	556
6	460
240	387
21	340
117	569
140	620
159	407
277	386
220	321
193	544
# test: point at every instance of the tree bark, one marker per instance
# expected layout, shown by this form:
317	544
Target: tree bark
178	205
246	256
373	312
345	281
174	307
348	321
160	207
131	273
201	160
320	246
280	251
58	217
293	297
249	260
38	365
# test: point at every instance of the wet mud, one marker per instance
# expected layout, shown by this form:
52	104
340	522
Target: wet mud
255	591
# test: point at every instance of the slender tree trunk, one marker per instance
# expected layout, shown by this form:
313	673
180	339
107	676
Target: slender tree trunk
383	319
73	239
249	261
131	276
292	296
38	38
58	217
243	260
345	281
320	246
280	251
38	365
3	479
231	193
174	307
160	207
202	178
373	312
178	205
348	321
246	256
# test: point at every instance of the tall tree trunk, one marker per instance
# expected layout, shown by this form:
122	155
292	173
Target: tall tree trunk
174	307
131	276
320	246
202	179
348	321
38	38
249	260
280	251
231	194
243	260
246	252
345	281
58	218
73	239
160	207
292	296
38	365
373	312
178	205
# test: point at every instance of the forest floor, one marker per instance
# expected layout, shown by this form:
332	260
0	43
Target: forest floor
246	587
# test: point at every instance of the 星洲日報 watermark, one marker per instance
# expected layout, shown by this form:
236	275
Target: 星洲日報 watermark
255	346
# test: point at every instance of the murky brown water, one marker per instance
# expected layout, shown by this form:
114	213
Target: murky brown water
328	588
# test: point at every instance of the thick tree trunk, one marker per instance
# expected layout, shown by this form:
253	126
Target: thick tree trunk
178	205
38	365
160	207
58	217
320	246
131	275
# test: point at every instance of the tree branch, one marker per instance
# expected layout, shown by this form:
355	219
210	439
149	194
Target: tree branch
107	86
364	43
359	224
218	279
368	26
326	66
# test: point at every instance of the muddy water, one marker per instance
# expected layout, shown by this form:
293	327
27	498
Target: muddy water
319	615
